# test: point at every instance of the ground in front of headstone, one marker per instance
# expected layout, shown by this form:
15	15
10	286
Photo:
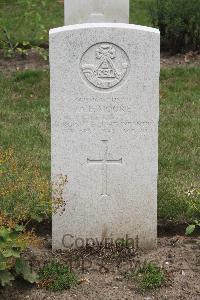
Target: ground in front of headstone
102	272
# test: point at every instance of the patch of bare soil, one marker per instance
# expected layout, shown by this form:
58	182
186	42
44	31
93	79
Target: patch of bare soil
34	61
18	63
191	59
102	272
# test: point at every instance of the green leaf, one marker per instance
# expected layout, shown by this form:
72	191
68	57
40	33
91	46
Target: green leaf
25	43
19	228
4	234
23	268
197	223
2	242
6	277
14	252
13	235
190	229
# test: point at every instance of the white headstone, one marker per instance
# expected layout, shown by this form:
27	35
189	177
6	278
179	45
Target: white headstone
96	11
105	110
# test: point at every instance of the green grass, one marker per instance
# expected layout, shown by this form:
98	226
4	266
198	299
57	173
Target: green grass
30	20
25	127
179	137
57	277
25	116
25	141
139	12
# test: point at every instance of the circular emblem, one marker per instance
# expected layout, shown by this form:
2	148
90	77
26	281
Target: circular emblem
104	65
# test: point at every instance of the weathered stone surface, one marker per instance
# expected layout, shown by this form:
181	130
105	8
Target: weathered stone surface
96	11
105	110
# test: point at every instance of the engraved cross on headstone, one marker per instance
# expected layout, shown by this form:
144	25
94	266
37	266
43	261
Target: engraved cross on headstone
104	162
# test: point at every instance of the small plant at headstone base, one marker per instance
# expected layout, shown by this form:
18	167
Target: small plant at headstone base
57	277
179	24
148	276
13	242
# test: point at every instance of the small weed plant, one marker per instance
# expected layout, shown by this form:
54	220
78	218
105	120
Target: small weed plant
10	48
148	276
192	227
193	195
57	277
13	241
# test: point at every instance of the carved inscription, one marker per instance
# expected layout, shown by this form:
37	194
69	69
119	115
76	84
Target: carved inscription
105	109
116	105
104	65
103	99
106	115
84	125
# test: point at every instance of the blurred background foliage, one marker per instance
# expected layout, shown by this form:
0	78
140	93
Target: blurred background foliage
27	22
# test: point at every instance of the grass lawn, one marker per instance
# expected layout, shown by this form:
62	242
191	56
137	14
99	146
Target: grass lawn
25	139
179	137
30	20
139	12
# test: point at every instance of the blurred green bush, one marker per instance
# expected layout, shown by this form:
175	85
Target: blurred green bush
179	24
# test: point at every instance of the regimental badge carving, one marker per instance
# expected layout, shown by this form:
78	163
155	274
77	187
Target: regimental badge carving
104	65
